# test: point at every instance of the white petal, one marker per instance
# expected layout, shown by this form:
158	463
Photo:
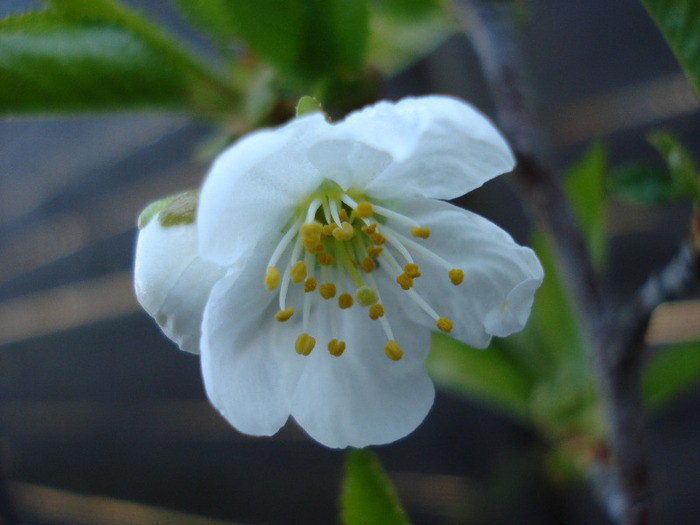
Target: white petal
363	398
254	187
500	277
172	283
249	364
442	147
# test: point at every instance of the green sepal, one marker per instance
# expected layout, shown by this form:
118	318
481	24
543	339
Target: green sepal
172	210
367	496
308	105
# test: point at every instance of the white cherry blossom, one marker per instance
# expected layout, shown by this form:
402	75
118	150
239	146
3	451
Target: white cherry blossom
326	255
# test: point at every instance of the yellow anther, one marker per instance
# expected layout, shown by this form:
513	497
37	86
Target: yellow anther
345	232
404	281
305	343
310	234
329	228
420	231
327	290
309	285
343	215
393	351
324	259
374	251
444	324
284	315
272	278
412	270
368	264
345	300
298	272
336	348
316	248
369	230
376	311
364	210
456	276
377	238
365	296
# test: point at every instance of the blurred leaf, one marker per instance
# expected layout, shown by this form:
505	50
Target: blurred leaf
670	372
215	17
679	162
679	22
490	375
311	38
553	317
407	8
642	184
396	42
96	55
584	188
367	496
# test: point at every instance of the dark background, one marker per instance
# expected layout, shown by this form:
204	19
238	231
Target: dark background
103	420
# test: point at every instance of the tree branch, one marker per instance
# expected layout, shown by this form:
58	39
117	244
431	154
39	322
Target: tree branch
617	339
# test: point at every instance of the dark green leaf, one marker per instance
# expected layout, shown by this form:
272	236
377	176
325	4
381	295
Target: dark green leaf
60	67
670	372
643	184
215	17
415	9
679	22
367	496
584	188
679	162
490	375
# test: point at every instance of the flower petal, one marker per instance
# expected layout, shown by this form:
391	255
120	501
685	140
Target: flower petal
254	186
249	364
172	282
442	147
363	398
500	277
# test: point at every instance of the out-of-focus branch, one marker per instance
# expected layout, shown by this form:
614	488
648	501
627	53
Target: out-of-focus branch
488	28
616	336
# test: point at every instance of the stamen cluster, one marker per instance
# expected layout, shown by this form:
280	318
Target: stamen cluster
343	241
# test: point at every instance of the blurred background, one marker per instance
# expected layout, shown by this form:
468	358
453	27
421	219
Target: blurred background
103	420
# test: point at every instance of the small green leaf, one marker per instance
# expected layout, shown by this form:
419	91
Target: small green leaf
584	188
367	496
490	375
680	164
669	373
642	184
679	22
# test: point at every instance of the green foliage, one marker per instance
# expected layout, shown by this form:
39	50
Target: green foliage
313	38
89	56
669	373
645	184
491	376
584	186
367	496
679	22
642	183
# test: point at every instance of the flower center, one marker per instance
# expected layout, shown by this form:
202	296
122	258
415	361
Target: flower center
336	246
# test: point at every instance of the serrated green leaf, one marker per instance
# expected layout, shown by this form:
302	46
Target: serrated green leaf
669	373
680	164
584	188
679	22
490	375
367	495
